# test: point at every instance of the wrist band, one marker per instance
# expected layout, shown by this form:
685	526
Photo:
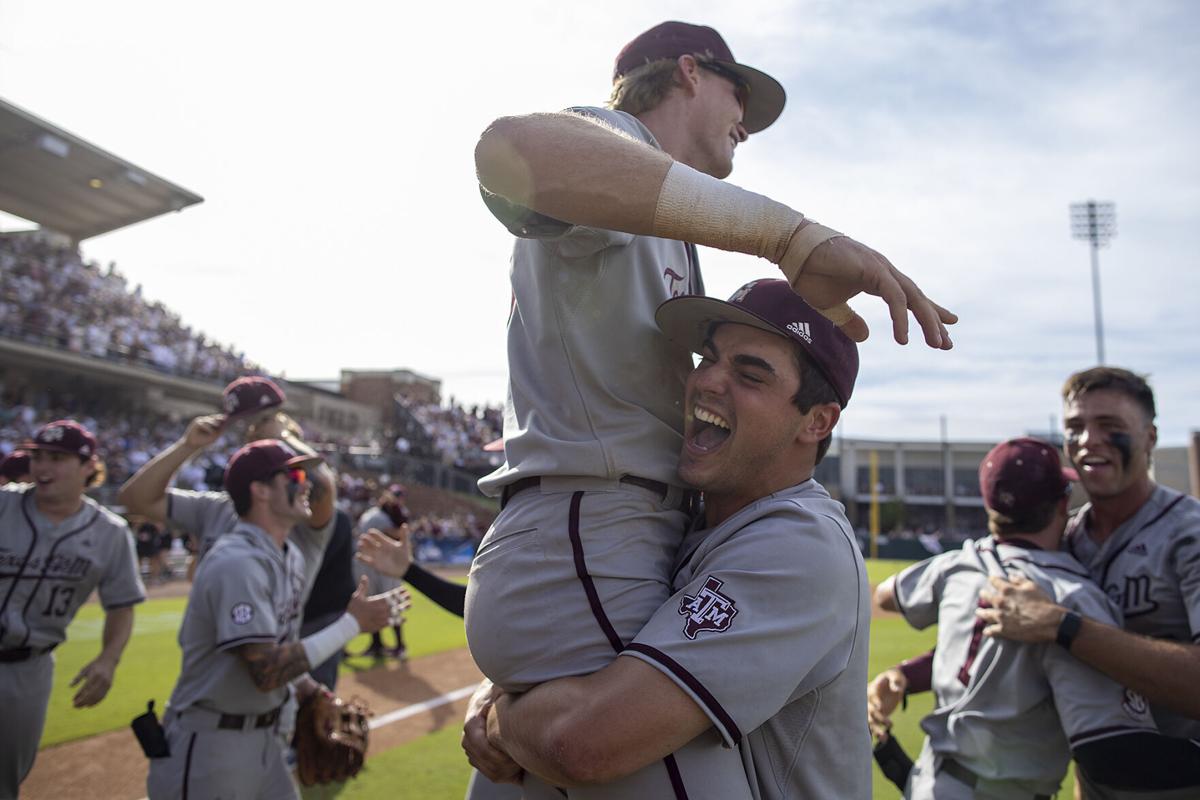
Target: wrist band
1068	629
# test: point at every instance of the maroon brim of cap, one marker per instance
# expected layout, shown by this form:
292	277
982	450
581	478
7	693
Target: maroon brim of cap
766	99
304	461
686	321
249	412
54	448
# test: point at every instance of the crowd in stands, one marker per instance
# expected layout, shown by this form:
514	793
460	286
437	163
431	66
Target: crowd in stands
459	433
50	295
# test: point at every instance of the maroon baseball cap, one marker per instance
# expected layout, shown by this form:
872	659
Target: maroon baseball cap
15	465
250	394
769	305
766	97
63	436
1022	473
258	461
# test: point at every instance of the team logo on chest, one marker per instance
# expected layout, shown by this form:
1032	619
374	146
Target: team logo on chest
709	610
242	613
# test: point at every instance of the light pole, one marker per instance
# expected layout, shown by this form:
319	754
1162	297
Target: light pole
1097	223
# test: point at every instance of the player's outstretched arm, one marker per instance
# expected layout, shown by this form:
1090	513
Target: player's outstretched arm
1166	673
596	728
97	675
145	493
579	171
273	665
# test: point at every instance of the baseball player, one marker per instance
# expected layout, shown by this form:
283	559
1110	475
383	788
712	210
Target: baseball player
608	205
239	639
1141	544
56	546
386	517
256	401
14	468
1009	716
762	647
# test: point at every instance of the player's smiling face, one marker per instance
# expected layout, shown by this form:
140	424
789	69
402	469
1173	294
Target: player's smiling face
741	425
289	497
1109	439
720	122
59	477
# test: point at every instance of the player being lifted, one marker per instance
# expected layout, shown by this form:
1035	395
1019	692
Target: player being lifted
608	205
56	546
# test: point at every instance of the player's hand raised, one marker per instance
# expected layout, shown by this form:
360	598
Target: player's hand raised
840	268
203	431
391	556
373	613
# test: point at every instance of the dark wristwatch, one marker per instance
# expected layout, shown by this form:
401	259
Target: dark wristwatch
1068	629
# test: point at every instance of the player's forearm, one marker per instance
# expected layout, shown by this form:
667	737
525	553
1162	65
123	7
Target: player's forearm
146	487
118	628
599	727
274	665
1166	673
447	594
536	730
572	169
322	497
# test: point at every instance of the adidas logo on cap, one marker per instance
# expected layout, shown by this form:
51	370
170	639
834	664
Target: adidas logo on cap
801	330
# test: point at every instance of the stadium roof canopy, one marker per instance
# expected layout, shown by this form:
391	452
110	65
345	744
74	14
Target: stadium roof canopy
70	186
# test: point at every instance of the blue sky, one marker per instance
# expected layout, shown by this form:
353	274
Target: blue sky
334	153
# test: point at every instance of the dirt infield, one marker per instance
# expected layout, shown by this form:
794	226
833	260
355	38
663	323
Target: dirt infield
112	766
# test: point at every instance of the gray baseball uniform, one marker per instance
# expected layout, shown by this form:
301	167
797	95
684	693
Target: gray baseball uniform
573	567
223	731
209	515
768	632
47	571
374	517
1007	712
1150	567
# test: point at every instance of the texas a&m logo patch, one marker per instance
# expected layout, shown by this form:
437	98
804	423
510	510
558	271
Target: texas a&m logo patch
709	610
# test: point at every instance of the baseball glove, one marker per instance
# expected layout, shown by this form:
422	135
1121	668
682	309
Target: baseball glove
331	738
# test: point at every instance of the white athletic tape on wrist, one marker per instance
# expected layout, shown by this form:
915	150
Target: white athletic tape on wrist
698	208
801	246
839	315
323	644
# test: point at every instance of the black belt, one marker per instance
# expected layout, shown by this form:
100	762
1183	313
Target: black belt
963	775
658	487
22	654
238	722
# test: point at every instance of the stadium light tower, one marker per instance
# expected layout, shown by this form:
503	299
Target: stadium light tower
1097	223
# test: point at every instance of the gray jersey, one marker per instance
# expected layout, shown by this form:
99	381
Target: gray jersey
1011	711
48	569
768	633
594	387
247	590
1150	567
209	515
377	582
375	517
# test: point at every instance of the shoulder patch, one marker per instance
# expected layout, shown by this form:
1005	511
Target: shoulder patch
709	610
241	613
1134	704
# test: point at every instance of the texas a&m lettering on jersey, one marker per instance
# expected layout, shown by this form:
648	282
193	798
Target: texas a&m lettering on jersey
1133	595
709	610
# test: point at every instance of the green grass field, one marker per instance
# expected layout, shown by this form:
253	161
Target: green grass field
432	766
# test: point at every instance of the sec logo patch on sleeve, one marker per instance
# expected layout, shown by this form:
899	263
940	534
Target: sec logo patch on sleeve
709	610
241	613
